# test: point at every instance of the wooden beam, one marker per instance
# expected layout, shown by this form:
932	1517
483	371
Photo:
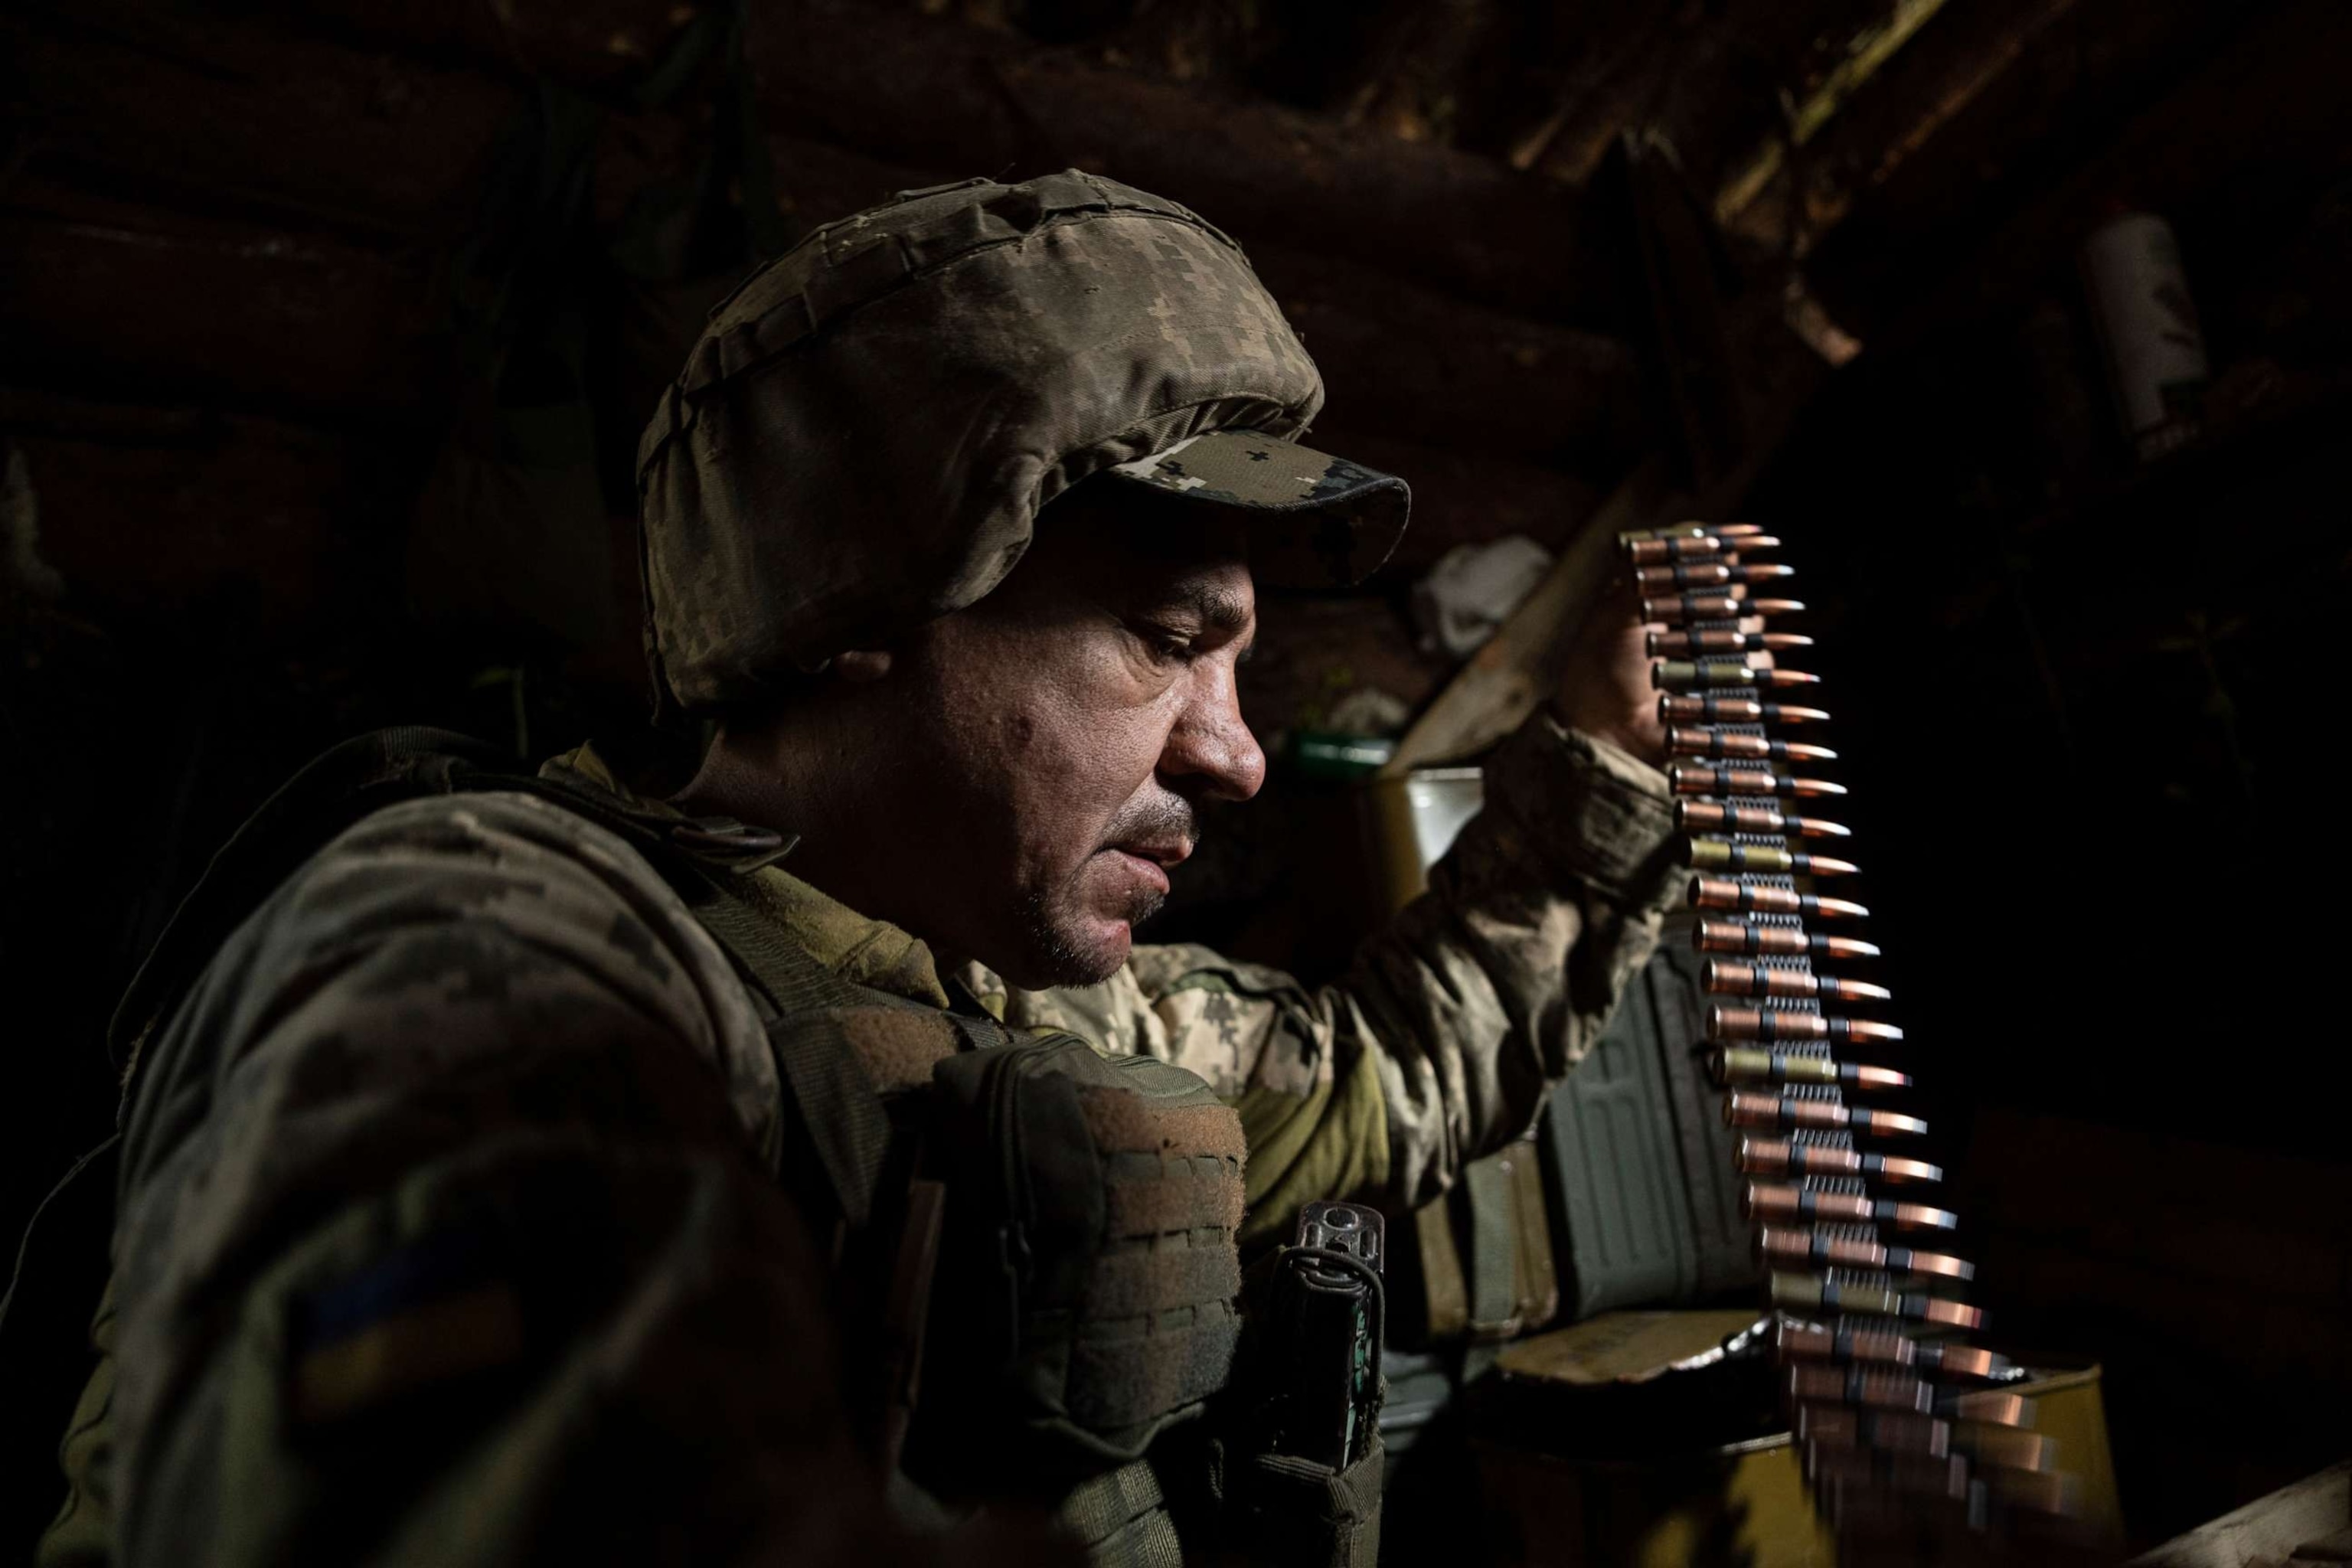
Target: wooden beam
1911	102
2315	1511
1401	361
595	44
1504	680
252	113
147	512
122	300
936	94
1870	47
1404	359
2000	171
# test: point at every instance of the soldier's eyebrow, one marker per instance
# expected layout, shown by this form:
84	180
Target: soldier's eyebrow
1208	608
1223	612
1220	609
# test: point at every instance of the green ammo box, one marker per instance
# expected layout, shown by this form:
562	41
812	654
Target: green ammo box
1637	1161
1643	1206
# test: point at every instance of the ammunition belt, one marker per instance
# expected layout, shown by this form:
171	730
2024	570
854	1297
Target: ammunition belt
1902	1424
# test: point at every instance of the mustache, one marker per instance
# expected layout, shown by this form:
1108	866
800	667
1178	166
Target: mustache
1154	820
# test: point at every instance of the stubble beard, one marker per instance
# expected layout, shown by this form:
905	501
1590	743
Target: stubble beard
1051	921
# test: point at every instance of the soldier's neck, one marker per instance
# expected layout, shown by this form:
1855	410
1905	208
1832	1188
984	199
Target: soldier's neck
768	778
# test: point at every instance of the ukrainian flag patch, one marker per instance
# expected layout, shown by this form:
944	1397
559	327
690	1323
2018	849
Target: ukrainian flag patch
436	1311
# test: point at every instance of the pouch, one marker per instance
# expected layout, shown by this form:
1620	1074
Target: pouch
1085	1298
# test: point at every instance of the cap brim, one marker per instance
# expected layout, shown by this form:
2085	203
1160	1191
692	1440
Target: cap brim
1347	517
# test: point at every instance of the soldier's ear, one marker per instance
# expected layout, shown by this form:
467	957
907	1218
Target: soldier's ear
862	667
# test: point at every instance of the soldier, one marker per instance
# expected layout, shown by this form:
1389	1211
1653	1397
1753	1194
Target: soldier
523	1169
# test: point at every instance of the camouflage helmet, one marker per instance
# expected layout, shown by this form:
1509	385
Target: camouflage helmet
862	438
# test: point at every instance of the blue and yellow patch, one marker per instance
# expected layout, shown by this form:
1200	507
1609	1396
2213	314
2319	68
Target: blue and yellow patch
436	1311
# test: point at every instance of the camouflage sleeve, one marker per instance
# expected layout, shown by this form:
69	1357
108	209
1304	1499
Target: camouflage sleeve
1443	1039
448	1234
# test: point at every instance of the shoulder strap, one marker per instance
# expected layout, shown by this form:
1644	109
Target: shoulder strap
840	1111
838	1106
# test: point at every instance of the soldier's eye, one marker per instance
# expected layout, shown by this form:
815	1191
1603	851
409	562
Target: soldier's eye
1166	644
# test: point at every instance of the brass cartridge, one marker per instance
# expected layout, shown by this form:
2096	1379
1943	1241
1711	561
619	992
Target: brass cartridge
1772	1023
1749	898
1756	980
1734	711
1682	741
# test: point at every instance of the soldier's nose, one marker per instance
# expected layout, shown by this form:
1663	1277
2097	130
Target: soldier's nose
1212	744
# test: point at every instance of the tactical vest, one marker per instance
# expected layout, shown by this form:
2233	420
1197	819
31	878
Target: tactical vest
1089	1250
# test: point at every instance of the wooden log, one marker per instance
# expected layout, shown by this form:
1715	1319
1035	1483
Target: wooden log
1402	362
1502	683
147	512
251	111
1405	360
936	94
2315	1510
129	302
2104	99
604	44
924	93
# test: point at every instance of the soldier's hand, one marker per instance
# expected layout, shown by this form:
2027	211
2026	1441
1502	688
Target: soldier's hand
1604	687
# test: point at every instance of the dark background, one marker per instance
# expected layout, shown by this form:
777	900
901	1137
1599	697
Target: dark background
326	330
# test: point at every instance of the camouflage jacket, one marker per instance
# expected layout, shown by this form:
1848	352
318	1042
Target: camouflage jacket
449	1229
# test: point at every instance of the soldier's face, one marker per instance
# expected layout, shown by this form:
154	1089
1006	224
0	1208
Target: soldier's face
1069	723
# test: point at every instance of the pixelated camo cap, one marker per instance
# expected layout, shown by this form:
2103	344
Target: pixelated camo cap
863	436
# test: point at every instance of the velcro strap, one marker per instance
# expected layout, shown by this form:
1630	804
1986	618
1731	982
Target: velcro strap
898	1046
1124	1121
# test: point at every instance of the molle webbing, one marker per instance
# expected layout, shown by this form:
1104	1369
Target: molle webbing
1122	1122
1156	1324
1089	1255
1122	1520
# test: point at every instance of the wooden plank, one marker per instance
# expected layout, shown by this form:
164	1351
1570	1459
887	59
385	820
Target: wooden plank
1708	79
1869	48
1505	680
2265	1531
2143	100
